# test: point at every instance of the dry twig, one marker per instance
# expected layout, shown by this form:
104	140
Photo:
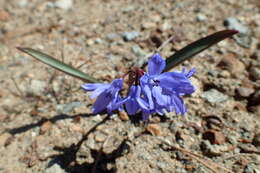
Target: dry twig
207	163
17	88
238	155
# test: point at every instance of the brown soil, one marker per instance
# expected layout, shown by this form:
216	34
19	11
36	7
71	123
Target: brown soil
46	122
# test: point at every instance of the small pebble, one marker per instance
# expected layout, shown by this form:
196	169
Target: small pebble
90	143
113	37
148	25
45	127
233	23
215	137
128	9
129	36
68	107
111	144
3	138
98	41
201	17
97	118
245	92
224	74
212	150
4	15
255	72
243	38
214	96
55	169
100	137
251	168
123	116
232	64
23	3
90	42
64	4
76	128
37	87
154	129
166	25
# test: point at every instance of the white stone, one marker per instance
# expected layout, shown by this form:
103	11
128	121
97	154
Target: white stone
54	169
37	87
64	4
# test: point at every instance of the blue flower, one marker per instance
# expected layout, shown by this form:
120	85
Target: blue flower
164	90
151	92
108	97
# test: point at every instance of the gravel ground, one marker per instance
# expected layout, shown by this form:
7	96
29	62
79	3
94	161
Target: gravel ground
46	121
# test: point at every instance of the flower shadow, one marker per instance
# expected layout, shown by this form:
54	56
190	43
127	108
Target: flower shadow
54	119
68	155
67	158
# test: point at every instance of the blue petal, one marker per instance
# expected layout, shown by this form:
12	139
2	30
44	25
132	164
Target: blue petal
159	109
117	83
187	88
131	106
144	80
161	99
171	78
107	95
190	73
179	104
116	103
146	89
137	92
115	86
144	105
156	64
102	102
119	103
177	82
99	90
148	93
134	91
92	87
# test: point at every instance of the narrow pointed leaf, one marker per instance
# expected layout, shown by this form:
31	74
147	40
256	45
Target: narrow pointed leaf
197	47
46	59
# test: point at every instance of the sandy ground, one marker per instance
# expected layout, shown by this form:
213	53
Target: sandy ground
46	121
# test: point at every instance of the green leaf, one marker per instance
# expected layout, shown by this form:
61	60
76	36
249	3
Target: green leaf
196	47
46	59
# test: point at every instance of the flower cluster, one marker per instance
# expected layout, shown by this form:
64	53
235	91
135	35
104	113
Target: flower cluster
151	92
